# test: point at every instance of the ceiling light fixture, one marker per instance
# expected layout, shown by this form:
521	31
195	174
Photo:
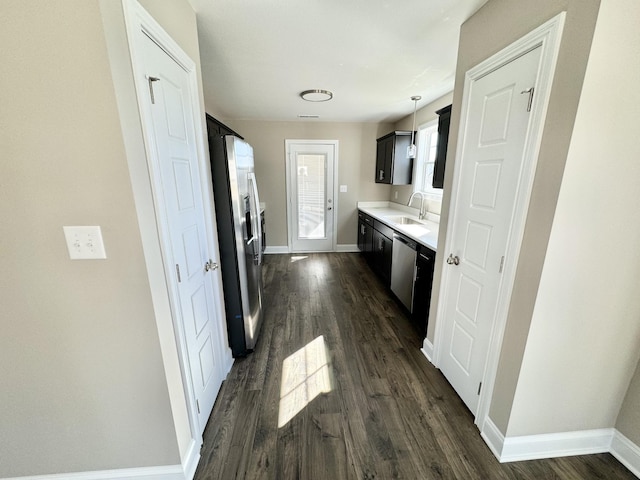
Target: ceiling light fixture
411	149
308	115
316	95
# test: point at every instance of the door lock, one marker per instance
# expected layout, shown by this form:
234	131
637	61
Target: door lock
451	260
210	265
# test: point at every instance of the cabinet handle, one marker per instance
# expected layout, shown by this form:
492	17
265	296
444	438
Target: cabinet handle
381	175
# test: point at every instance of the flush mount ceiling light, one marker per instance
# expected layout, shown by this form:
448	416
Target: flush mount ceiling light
316	95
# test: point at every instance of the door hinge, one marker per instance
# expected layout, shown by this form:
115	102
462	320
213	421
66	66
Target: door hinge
501	264
198	405
530	92
479	388
151	79
178	272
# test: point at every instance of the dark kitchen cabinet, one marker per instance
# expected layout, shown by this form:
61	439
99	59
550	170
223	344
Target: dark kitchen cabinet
382	251
444	122
425	262
393	165
365	234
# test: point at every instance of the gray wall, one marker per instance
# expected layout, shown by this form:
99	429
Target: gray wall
426	114
82	374
357	152
584	340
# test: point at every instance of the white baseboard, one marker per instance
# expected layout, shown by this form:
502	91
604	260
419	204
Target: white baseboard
552	445
493	437
190	462
169	472
427	350
276	249
627	452
533	447
349	248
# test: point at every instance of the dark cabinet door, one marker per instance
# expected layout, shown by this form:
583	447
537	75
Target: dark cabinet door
425	262
365	233
384	151
393	166
381	256
444	123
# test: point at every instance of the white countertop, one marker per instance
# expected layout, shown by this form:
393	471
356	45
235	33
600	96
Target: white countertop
426	233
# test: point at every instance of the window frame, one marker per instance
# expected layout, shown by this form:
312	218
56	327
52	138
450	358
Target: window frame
423	180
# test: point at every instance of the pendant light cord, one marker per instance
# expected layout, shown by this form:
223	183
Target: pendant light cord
412	147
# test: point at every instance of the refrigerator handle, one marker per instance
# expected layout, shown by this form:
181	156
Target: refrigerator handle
255	207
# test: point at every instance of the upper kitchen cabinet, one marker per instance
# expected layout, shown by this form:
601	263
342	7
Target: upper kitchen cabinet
444	121
393	165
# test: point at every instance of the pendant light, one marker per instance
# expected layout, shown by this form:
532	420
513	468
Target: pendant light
411	149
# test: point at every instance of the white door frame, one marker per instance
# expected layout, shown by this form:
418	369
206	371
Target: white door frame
291	218
547	36
153	226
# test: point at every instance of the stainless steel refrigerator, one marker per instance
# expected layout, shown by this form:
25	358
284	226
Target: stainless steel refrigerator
240	238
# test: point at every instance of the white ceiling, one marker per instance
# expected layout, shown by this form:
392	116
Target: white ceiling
258	55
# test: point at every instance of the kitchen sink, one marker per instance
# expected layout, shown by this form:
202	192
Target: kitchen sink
404	221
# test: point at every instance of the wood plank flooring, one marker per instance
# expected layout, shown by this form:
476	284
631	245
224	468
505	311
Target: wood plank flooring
369	405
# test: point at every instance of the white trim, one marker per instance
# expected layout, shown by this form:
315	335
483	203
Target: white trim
493	437
168	472
627	452
532	447
427	349
276	249
547	37
191	460
334	143
348	248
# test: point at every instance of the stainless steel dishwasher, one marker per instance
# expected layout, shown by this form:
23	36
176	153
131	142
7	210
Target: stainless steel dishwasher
403	264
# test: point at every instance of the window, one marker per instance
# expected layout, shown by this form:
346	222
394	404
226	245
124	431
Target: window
427	143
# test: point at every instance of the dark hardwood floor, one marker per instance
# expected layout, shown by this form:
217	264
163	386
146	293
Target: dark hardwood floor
337	388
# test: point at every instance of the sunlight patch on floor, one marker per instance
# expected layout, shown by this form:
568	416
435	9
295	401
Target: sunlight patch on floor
305	375
297	258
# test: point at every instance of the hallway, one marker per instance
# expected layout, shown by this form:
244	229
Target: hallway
339	389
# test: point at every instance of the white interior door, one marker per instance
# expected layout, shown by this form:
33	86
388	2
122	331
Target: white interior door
489	178
311	166
190	264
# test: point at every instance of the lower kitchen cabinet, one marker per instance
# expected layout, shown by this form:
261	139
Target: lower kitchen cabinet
425	262
382	253
365	234
375	241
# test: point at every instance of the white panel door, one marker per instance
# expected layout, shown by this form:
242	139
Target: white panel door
310	184
181	202
490	171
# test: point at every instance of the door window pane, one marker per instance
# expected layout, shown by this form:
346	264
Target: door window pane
311	196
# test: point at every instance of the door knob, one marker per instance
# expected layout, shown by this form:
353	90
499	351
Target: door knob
451	260
210	265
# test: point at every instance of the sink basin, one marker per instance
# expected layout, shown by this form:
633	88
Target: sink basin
404	221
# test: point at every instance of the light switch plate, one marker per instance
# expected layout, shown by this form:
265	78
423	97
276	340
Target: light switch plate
343	188
84	243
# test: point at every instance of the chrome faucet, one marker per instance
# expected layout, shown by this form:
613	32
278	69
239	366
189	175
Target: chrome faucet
422	213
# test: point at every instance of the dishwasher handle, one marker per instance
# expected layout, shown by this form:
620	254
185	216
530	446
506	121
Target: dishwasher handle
409	243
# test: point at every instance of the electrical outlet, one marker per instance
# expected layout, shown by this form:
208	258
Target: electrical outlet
84	243
343	189
395	195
